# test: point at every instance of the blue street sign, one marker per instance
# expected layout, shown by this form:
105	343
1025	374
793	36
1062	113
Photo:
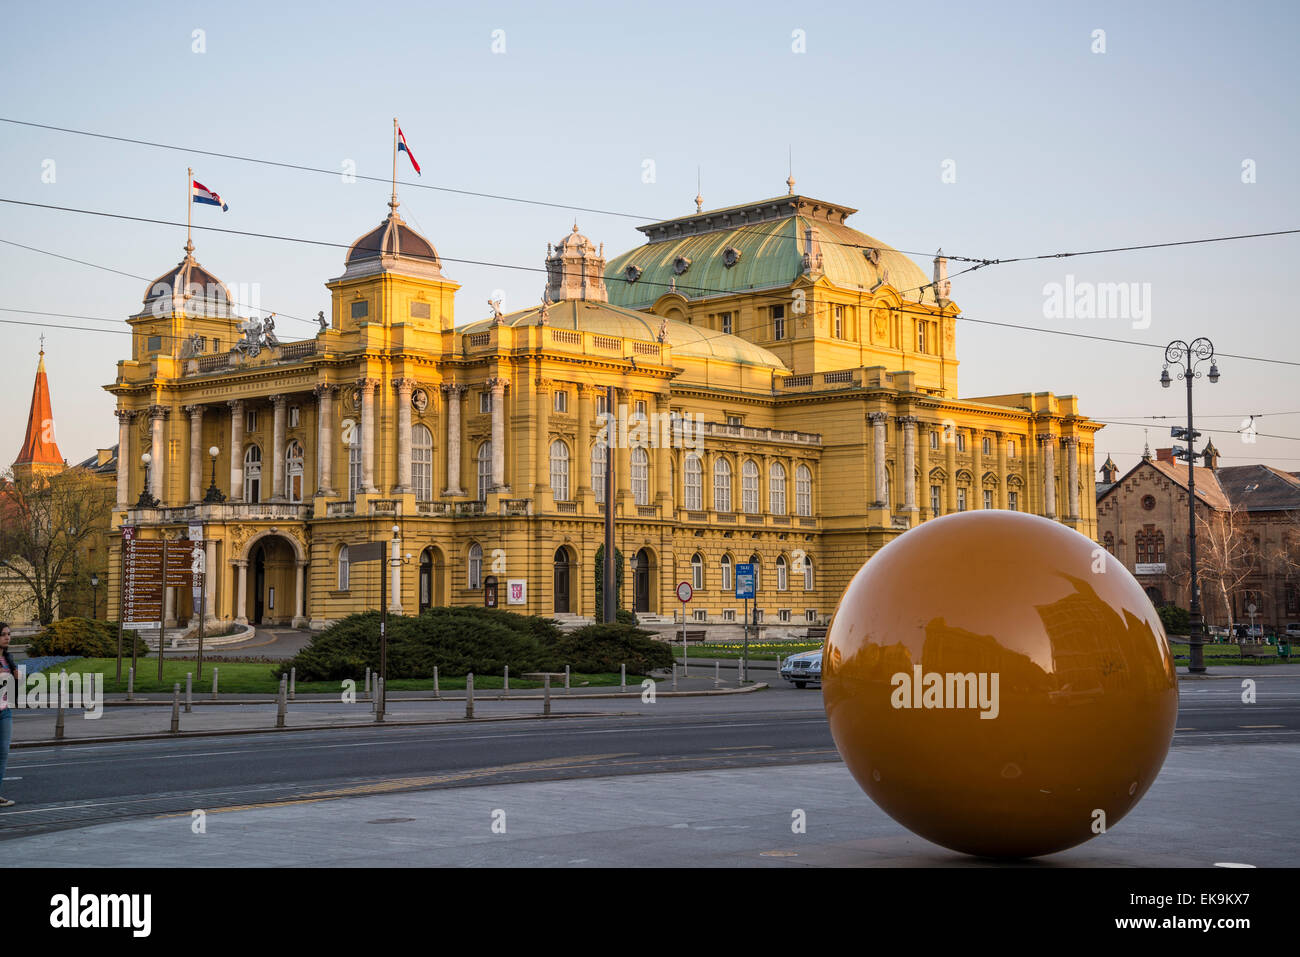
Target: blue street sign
745	580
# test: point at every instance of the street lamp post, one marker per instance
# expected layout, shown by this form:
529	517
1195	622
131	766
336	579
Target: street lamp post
146	499
94	596
214	495
1186	358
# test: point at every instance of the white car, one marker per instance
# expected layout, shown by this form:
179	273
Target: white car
803	669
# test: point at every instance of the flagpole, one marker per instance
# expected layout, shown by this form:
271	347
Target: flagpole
394	202
189	210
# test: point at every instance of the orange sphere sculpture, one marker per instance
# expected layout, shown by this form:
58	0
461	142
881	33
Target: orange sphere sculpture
999	684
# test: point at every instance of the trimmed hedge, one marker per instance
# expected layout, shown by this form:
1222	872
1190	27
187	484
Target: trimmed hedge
481	640
85	638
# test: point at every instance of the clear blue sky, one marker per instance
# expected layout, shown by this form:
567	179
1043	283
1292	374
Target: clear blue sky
1055	148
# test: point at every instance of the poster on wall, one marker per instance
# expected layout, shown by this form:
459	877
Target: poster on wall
517	591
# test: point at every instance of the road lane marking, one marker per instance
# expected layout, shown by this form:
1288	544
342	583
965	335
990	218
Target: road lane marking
1260	726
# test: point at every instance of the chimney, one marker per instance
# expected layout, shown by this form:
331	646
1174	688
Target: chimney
942	286
104	456
1165	455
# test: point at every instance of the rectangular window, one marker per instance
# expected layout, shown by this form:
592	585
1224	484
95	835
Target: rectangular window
988	498
783	614
700	614
1013	501
936	493
485	402
724	322
561	402
640	407
920	337
250	421
602	403
961	500
934	440
839	322
961	441
1011	448
810	614
758	615
733	420
986	445
360	309
293	416
419	310
778	322
154	344
729	614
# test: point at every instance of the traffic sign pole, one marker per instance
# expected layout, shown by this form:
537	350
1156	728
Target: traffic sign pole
684	593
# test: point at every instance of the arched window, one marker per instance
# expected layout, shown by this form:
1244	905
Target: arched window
345	569
776	489
889	490
725	571
697	571
354	462
693	472
293	471
782	574
253	474
560	471
807	573
802	491
422	463
599	455
749	487
756	562
640	476
484	470
722	485
474	574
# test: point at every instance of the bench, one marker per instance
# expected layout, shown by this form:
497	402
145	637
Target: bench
1256	649
819	632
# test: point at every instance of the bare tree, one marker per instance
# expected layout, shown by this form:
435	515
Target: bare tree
1227	556
46	525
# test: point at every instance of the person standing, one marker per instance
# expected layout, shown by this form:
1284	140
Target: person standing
8	685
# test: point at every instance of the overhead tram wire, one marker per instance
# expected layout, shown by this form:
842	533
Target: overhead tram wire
978	261
783	296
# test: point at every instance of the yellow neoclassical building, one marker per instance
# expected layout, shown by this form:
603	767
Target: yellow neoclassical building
786	395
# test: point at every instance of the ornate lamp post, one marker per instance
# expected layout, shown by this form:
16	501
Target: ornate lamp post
1186	358
214	494
146	499
94	596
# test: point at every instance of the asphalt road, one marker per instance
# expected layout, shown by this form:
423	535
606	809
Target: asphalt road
81	785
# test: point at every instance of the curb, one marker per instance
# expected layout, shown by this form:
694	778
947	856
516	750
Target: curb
219	732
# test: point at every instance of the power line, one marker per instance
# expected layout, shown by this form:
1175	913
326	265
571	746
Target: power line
1141	425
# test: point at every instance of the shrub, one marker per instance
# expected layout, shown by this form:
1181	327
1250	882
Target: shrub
83	637
596	649
625	617
1176	620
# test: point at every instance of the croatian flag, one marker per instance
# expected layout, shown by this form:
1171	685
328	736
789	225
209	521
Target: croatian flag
403	148
204	195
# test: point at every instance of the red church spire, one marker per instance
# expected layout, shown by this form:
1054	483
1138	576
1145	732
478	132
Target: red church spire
40	452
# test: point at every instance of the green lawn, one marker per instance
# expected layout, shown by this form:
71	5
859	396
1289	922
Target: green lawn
239	677
758	651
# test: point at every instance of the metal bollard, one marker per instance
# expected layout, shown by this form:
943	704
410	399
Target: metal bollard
368	694
214	684
566	679
293	682
374	698
506	686
717	681
189	692
546	693
176	707
469	695
436	692
130	684
281	702
622	678
379	704
58	723
674	676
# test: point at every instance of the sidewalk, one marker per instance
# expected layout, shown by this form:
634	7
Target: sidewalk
150	716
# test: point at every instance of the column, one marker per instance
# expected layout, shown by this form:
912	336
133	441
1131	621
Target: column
623	452
662	442
542	475
1001	439
324	438
210	577
236	449
977	460
395	586
497	385
949	437
241	601
1072	471
585	415
124	460
404	389
299	602
279	403
909	462
878	420
157	449
169	607
367	387
1047	443
196	452
925	472
453	393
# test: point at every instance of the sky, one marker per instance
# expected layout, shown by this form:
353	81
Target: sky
993	131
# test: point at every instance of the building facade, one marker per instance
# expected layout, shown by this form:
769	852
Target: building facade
785	394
